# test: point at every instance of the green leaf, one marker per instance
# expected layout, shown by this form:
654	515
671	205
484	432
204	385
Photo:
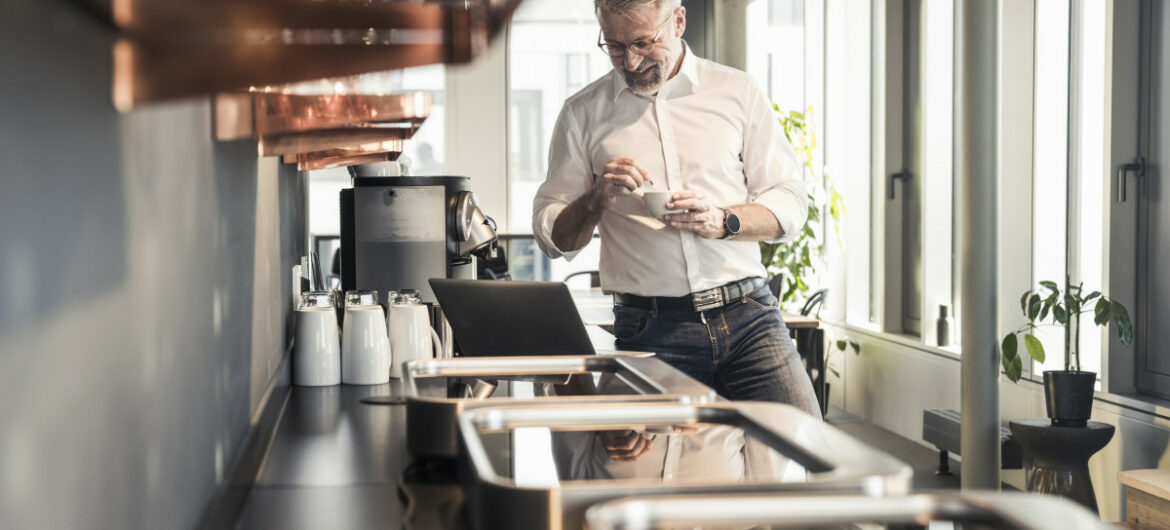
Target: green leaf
1125	329
1024	302
1060	315
1034	307
1051	286
856	346
1124	326
1012	365
1035	348
1009	344
836	204
1101	312
841	344
1091	296
1044	309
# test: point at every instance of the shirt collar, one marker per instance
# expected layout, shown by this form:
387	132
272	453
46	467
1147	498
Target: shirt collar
689	70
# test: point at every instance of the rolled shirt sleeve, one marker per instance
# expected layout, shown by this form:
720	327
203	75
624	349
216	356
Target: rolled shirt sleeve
569	177
775	178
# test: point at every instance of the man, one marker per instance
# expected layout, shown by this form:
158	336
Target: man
689	287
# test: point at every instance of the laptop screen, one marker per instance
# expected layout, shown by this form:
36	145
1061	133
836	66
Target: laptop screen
504	318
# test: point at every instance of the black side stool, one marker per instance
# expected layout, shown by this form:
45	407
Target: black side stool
1060	456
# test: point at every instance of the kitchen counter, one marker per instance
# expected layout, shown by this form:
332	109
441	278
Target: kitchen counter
335	462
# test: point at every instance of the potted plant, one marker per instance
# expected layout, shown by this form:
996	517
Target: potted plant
791	266
794	262
1068	393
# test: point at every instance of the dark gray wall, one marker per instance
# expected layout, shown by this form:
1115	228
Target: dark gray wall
145	287
699	27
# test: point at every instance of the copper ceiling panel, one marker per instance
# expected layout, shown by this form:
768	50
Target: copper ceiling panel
393	148
305	164
314	141
179	48
282	113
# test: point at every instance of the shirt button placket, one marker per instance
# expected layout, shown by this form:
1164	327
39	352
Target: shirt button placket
674	180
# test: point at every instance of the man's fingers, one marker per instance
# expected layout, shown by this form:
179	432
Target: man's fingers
621	181
629	167
694	204
688	217
645	173
693	226
620	441
642	446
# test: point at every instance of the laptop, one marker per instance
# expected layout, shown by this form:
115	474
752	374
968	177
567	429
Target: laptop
509	318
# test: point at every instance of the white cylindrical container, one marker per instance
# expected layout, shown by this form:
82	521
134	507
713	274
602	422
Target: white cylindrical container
365	352
317	350
410	330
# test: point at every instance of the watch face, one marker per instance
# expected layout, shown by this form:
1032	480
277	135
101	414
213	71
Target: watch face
732	223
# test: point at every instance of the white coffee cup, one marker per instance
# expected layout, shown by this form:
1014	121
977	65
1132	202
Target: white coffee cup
411	336
317	350
365	348
656	202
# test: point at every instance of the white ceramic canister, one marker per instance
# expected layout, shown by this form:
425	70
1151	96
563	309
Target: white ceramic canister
411	335
365	352
317	350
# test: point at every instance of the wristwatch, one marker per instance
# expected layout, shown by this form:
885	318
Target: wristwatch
730	224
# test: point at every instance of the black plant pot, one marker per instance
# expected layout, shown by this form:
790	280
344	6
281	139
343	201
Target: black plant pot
1069	397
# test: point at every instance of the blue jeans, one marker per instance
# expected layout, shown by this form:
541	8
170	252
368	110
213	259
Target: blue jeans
742	350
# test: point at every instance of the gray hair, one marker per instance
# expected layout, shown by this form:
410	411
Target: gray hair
621	7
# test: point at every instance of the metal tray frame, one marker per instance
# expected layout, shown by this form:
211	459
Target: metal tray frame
431	421
1006	510
835	461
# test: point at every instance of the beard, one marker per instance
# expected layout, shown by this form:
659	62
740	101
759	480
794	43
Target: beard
648	80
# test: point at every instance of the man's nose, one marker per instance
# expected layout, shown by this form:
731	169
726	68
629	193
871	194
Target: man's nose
632	60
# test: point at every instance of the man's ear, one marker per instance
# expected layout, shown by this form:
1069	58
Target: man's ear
681	21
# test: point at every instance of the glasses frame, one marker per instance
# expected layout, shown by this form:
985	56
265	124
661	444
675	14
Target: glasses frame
651	43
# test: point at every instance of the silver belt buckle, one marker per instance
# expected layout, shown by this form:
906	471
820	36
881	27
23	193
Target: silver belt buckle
707	300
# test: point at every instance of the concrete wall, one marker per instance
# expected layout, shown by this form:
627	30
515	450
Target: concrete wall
144	287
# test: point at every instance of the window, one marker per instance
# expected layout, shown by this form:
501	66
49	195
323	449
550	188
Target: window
912	201
1139	242
1050	170
547	37
776	51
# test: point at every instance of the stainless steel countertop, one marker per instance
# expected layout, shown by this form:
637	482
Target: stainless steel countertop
336	463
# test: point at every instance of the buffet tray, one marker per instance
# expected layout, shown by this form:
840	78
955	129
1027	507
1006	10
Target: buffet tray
707	449
1007	510
431	413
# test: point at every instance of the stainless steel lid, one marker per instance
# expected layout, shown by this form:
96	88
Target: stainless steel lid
1006	510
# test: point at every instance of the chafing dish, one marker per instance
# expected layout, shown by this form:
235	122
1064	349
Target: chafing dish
437	390
542	466
1009	511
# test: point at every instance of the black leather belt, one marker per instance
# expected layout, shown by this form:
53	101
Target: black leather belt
699	301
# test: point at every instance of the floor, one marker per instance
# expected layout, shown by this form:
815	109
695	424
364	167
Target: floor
923	459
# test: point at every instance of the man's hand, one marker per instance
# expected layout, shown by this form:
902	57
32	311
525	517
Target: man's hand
622	176
701	216
627	446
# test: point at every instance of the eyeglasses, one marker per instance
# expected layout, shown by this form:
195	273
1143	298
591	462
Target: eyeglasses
641	46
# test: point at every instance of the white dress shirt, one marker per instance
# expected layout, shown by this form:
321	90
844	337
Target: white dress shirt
709	129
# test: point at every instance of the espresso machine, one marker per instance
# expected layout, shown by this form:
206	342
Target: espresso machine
398	232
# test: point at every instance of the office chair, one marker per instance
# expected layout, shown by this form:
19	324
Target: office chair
594	277
813	305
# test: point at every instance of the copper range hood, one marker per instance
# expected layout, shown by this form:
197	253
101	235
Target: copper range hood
301	76
180	48
323	129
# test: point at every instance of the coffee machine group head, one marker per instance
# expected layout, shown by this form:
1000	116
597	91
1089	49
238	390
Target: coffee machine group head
398	232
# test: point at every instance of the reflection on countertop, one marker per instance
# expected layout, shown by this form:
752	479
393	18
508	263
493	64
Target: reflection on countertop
334	462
